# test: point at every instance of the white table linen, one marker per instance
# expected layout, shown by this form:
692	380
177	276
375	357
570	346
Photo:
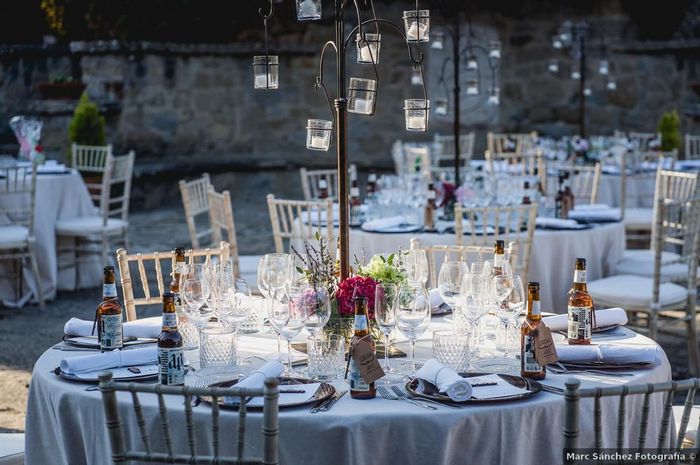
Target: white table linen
148	328
640	190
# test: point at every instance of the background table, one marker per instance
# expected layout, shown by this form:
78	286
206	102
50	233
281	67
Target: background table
552	257
65	424
640	190
58	196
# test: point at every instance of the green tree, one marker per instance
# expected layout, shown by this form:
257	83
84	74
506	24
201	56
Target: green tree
670	130
87	126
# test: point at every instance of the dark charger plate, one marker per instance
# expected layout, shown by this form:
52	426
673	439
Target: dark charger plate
432	393
324	392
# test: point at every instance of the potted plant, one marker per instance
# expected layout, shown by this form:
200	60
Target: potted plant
87	127
670	130
61	88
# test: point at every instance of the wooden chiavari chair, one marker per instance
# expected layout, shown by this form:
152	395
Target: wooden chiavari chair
195	201
91	161
221	220
299	220
584	182
445	150
311	178
692	147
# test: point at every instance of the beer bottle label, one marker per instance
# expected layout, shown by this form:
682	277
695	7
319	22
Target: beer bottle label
580	276
529	361
498	260
109	290
111	335
579	323
357	383
171	366
169	320
360	323
536	307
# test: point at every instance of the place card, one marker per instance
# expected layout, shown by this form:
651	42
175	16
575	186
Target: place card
493	386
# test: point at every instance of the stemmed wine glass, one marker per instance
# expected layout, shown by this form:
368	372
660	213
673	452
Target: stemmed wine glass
452	274
415	262
195	290
473	306
384	314
274	275
318	309
296	318
515	303
412	309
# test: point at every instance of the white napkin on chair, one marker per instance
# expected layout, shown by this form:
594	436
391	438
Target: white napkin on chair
446	380
148	328
384	223
107	360
603	317
256	379
617	354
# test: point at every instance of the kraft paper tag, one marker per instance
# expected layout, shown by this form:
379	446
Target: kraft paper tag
545	350
362	351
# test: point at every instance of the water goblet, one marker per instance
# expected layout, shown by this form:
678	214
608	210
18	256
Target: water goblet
412	309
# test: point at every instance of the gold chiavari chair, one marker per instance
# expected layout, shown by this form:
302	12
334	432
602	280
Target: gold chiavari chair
195	201
310	180
222	224
298	220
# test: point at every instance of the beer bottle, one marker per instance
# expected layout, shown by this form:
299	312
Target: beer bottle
499	257
171	359
560	199
109	314
430	208
355	207
529	368
322	189
178	270
580	307
359	389
526	193
371	188
568	193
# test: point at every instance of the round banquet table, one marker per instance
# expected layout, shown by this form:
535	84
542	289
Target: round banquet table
640	190
65	423
553	254
58	196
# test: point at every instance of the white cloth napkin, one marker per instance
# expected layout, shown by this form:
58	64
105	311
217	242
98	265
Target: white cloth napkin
546	222
107	360
446	380
384	223
618	354
603	318
51	168
256	379
148	328
594	212
435	298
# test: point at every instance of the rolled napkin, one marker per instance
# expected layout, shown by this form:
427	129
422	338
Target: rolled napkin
107	360
256	379
446	380
545	222
384	223
435	298
616	354
603	318
147	328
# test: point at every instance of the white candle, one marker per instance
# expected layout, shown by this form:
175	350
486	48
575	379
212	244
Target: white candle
318	142
416	122
553	68
262	82
472	90
494	100
368	53
417	31
363	106
495	53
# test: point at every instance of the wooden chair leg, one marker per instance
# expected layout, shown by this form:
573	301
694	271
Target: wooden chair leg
35	272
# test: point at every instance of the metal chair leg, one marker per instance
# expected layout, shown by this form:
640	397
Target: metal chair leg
35	272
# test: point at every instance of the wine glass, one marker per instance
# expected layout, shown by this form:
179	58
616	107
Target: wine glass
384	314
452	274
415	262
473	306
262	285
516	304
274	274
318	309
412	308
194	292
296	318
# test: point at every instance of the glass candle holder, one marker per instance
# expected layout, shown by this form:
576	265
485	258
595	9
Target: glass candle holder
266	71
368	48
472	63
611	85
587	92
604	67
417	25
553	66
308	10
416	78
494	96
318	134
441	107
438	41
472	87
495	49
362	94
417	113
576	75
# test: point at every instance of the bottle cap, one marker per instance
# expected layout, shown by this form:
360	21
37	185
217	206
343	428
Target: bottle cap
360	299
322	184
109	268
168	296
533	284
499	243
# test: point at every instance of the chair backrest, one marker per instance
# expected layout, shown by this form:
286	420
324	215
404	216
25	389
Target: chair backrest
610	401
175	453
91	161
502	143
311	178
407	156
516	164
221	220
300	220
692	147
641	167
439	254
584	182
672	186
18	191
152	264
116	188
483	225
195	201
445	149
640	140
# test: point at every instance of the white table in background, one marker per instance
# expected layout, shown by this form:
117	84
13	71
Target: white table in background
640	190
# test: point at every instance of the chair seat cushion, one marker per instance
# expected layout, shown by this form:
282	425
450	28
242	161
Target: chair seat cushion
638	218
85	225
641	263
12	237
634	292
11	449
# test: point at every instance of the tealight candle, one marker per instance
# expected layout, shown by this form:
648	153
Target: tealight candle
262	81
417	31
318	142
415	122
368	53
363	105
472	89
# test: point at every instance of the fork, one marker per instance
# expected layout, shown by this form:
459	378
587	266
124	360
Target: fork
403	394
384	392
559	369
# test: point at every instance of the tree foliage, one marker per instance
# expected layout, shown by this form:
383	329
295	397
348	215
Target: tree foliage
88	125
670	130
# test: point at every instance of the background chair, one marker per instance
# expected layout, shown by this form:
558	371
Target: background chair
444	155
17	241
502	143
221	220
91	161
121	452
195	201
409	156
641	140
483	225
299	220
692	147
584	181
310	179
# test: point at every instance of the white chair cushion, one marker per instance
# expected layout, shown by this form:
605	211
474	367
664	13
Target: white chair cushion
638	218
12	237
634	292
86	225
641	263
12	449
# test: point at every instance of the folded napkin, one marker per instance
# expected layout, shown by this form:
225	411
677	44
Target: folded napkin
545	222
616	354
435	298
595	212
688	164
51	168
384	223
603	318
148	328
107	360
446	380
592	206
256	379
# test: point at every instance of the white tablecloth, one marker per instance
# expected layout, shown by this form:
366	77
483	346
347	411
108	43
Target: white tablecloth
640	190
553	255
65	424
57	196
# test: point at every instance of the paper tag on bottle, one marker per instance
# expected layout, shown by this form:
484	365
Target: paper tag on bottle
545	350
365	358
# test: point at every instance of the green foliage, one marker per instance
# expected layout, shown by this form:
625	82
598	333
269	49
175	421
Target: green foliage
87	126
383	270
670	130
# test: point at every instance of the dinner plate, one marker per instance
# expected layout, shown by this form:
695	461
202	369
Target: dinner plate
91	342
431	392
46	173
401	228
134	373
605	365
323	392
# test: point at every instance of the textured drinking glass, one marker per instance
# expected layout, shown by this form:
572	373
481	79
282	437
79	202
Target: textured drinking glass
326	357
361	95
368	47
417	25
451	349
217	347
318	134
417	112
266	71
254	322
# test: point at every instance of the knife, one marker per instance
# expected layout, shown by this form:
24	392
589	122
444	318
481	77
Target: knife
327	406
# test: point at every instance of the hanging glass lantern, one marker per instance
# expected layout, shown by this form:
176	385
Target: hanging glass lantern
611	85
553	66
417	25
308	10
318	134
473	87
438	40
575	75
441	107
417	113
362	94
266	71
494	96
604	67
495	49
368	47
472	63
587	92
416	78
556	42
